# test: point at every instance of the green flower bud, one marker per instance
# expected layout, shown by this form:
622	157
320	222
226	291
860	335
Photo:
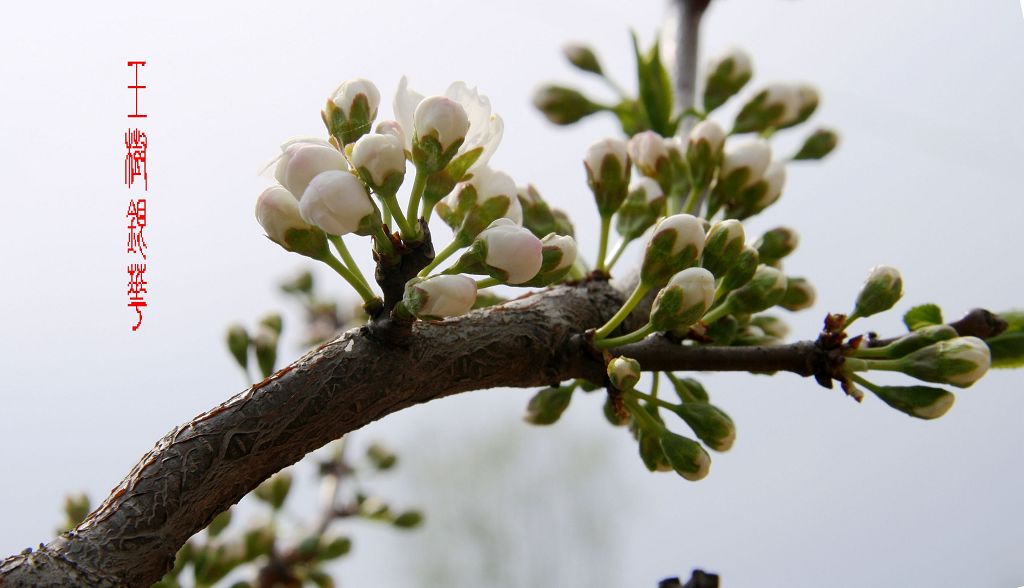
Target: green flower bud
743	270
763	291
704	151
687	457
960	362
800	295
723	246
677	243
558	256
651	453
642	207
771	325
238	344
76	508
684	300
440	126
302	283
334	548
709	423
582	57
563	226
882	290
650	154
608	168
727	75
537	215
265	345
381	457
273	322
409	519
275	490
774	107
819	144
437	297
564	106
351	109
723	331
917	401
910	342
547	405
478	202
776	244
624	372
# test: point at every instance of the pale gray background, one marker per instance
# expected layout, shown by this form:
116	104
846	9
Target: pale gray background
817	491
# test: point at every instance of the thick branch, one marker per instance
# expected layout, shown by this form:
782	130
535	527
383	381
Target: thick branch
659	354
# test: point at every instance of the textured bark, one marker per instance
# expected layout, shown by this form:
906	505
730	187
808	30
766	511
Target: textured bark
203	467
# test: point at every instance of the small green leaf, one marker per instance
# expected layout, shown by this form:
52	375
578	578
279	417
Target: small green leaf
409	519
923	315
1008	347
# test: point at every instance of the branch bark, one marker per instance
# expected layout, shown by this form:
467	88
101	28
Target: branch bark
688	51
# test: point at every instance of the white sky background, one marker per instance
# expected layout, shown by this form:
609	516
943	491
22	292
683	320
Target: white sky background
817	490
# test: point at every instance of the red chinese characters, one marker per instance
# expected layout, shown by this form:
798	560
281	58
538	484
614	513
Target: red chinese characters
136	143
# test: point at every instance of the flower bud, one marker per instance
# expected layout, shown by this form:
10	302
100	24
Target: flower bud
278	213
727	75
650	452
562	105
650	155
771	325
351	109
380	160
486	197
882	290
917	401
800	294
960	362
689	390
273	321
337	202
777	244
608	169
709	423
563	226
624	372
677	244
559	254
743	270
684	300
774	180
437	297
547	405
745	162
687	457
265	345
910	342
537	215
393	128
819	144
704	151
642	207
582	57
723	246
773	107
301	162
763	291
512	253
238	344
440	125
806	103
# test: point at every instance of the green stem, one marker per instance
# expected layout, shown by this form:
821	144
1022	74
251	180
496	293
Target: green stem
617	252
440	257
638	294
633	337
487	283
683	391
853	364
393	208
643	418
602	250
654	384
691	200
864	382
382	242
652	399
716	313
418	185
364	292
346	257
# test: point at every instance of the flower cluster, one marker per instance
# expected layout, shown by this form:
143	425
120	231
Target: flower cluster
350	184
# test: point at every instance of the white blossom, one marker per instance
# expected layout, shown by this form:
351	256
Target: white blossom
337	202
380	155
277	212
512	249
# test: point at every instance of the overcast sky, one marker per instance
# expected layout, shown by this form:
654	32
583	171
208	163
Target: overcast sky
817	490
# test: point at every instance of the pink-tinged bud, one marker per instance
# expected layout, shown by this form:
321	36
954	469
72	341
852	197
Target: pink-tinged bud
337	202
442	118
379	157
512	250
392	127
278	212
302	162
440	296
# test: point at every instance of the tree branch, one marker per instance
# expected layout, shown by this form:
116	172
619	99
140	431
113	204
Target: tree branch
688	52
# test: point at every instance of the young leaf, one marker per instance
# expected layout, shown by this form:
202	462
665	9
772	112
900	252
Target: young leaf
922	316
